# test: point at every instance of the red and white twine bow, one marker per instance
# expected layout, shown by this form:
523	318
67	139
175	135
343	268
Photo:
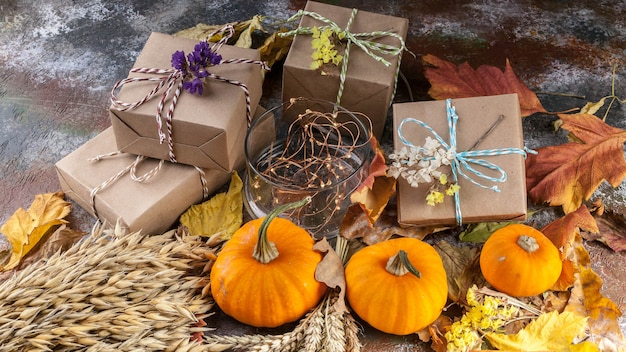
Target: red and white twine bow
171	77
132	170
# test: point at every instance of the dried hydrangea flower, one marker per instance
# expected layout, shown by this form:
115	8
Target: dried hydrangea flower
421	165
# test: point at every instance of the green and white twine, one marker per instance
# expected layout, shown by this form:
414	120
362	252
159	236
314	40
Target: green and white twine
365	41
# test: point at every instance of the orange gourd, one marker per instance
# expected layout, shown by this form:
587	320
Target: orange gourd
264	275
398	286
520	261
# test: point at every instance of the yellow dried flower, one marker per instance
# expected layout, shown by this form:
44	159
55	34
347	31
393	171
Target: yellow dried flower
453	189
434	197
323	47
489	315
443	179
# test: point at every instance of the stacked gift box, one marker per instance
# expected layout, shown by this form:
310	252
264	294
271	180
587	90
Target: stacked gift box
196	141
145	170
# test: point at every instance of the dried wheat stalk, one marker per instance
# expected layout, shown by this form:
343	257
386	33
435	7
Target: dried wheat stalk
110	292
322	329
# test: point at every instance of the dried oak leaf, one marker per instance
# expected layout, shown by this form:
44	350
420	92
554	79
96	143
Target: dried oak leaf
450	81
551	331
569	173
587	300
375	191
25	228
218	217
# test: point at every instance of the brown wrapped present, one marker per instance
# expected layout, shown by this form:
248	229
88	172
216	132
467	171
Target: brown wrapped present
369	83
206	130
152	206
487	143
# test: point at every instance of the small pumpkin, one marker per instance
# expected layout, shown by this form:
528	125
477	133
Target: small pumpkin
398	286
520	261
264	275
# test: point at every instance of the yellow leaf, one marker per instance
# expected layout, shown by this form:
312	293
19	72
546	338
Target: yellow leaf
25	228
222	214
592	108
549	332
245	38
275	48
587	299
201	30
586	346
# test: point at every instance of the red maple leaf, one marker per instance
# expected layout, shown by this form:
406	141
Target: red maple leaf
450	81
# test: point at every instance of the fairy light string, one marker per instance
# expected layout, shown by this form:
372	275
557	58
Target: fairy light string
462	162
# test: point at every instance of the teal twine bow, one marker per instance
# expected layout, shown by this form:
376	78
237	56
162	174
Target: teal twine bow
365	41
461	161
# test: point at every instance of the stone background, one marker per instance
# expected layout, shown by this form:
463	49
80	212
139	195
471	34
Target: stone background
60	58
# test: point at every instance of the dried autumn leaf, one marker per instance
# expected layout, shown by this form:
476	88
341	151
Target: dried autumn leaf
564	232
219	216
374	192
612	231
25	228
450	81
549	332
587	300
356	225
592	108
567	174
462	269
275	47
480	232
201	30
330	271
245	37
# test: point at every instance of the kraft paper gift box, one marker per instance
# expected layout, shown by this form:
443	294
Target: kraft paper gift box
476	117
152	206
207	129
369	84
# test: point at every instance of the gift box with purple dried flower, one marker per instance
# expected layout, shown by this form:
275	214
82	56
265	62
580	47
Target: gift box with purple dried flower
187	108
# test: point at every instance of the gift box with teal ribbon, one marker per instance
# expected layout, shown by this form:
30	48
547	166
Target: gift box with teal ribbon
459	161
345	56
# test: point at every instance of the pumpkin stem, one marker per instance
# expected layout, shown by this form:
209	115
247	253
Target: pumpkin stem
264	250
399	265
528	243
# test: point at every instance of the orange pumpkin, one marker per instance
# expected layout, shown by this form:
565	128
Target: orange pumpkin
398	286
264	275
519	260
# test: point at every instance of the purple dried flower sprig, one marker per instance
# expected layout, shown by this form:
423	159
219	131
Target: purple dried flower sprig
195	65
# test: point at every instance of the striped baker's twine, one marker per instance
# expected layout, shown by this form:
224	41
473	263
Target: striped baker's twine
173	77
365	41
460	163
132	170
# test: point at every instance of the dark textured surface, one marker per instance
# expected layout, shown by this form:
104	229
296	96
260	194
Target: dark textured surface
59	59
